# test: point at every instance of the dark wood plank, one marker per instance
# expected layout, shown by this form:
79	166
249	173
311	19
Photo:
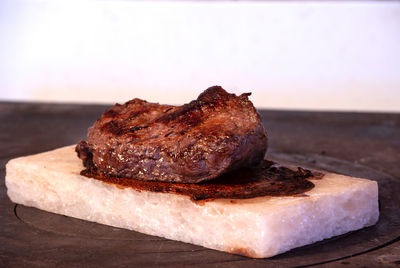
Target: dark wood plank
358	144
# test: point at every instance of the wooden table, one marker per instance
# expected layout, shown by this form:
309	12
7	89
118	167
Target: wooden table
357	144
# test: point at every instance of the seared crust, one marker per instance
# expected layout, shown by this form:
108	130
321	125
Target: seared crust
266	179
195	142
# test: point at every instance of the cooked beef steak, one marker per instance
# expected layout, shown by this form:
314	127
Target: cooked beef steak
195	142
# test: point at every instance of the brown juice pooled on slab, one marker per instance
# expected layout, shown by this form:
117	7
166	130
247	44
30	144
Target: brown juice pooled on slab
266	179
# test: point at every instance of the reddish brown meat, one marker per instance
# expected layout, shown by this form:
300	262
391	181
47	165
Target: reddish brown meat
195	142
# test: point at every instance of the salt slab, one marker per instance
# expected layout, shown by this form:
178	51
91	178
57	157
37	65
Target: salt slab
257	227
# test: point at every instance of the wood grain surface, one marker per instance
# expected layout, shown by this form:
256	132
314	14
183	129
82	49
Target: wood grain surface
356	144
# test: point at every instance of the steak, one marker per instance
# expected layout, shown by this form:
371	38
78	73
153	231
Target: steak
199	141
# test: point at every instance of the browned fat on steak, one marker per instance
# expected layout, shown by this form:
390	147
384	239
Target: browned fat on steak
192	143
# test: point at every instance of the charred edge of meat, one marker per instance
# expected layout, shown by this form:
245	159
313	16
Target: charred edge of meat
85	153
110	113
215	94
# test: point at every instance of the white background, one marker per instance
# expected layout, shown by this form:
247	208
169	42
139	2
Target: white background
325	55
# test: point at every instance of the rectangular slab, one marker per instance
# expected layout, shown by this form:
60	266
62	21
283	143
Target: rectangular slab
258	227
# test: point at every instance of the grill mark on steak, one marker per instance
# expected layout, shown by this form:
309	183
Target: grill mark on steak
132	129
112	127
189	116
199	141
134	114
169	133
